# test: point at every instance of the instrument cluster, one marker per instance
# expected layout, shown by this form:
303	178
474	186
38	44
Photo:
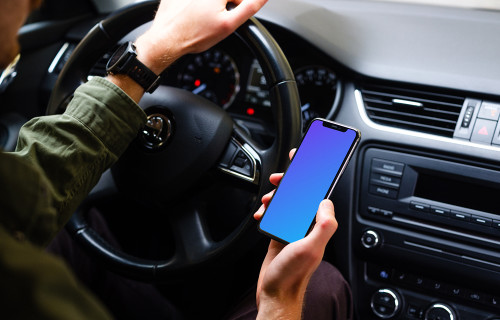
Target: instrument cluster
230	76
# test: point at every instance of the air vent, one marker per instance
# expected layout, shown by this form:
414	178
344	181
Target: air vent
99	69
425	111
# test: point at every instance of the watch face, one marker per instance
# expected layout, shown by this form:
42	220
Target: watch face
114	64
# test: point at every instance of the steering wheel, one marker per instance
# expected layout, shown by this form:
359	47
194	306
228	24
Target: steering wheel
186	136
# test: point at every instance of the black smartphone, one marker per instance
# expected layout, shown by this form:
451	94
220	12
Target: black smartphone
317	165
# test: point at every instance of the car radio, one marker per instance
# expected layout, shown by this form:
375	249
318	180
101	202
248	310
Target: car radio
447	194
429	233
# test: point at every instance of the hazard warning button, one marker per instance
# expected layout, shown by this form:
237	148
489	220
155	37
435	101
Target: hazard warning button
483	131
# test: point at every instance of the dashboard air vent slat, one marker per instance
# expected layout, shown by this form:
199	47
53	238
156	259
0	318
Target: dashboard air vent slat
99	69
427	111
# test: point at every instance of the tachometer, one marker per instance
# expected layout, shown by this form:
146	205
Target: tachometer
213	75
318	88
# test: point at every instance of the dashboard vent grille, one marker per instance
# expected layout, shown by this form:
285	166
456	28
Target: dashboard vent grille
425	111
99	69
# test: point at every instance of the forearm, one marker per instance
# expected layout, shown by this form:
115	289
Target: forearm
72	150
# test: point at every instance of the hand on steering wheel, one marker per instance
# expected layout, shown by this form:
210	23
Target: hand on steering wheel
204	138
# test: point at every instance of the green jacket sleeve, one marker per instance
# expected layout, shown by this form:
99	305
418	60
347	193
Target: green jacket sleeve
71	151
36	285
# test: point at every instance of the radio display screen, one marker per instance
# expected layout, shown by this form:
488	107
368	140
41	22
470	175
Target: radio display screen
468	194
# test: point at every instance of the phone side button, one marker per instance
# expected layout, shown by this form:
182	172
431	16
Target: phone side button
384	192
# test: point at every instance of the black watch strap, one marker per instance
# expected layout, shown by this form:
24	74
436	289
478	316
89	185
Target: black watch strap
124	61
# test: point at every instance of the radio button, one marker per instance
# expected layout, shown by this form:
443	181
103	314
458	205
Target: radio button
385	180
380	212
388	167
481	220
496	224
384	192
460	215
440	211
419	206
370	239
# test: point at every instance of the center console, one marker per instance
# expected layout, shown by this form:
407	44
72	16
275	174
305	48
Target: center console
426	237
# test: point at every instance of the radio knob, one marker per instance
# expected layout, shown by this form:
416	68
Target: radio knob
385	303
440	311
370	239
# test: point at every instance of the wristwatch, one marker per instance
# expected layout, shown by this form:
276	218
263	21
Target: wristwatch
124	61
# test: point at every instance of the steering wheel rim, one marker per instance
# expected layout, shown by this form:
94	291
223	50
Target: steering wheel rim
287	116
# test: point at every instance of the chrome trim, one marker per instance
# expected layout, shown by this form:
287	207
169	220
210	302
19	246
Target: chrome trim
362	112
396	304
58	57
408	102
375	242
9	73
256	162
440	306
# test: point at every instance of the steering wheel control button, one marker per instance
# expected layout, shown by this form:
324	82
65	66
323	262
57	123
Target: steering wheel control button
237	162
440	311
370	239
242	164
385	303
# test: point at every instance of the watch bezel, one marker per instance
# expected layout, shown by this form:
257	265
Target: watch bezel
120	57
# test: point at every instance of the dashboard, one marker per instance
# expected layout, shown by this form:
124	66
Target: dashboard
230	76
419	234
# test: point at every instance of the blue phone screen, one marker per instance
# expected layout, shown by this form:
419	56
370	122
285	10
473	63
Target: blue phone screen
307	181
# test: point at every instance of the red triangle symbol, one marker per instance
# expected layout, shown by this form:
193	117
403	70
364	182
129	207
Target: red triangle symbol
483	131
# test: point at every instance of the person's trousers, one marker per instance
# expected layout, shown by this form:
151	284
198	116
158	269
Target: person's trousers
328	295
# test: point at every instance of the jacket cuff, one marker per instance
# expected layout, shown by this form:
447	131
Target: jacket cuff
112	116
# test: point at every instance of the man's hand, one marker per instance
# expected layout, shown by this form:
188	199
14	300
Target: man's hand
185	26
286	270
190	26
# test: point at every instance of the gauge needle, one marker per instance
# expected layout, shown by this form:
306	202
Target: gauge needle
199	89
304	107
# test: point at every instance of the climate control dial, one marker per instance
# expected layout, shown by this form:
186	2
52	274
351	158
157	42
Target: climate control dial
440	311
385	303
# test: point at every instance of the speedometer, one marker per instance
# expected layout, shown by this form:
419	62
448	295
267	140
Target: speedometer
318	88
213	75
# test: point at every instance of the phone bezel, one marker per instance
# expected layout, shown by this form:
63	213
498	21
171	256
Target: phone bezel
332	125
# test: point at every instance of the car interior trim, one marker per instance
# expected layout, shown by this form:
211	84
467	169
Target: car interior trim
360	104
58	57
254	158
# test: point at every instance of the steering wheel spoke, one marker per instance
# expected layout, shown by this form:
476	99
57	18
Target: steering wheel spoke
105	188
191	234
